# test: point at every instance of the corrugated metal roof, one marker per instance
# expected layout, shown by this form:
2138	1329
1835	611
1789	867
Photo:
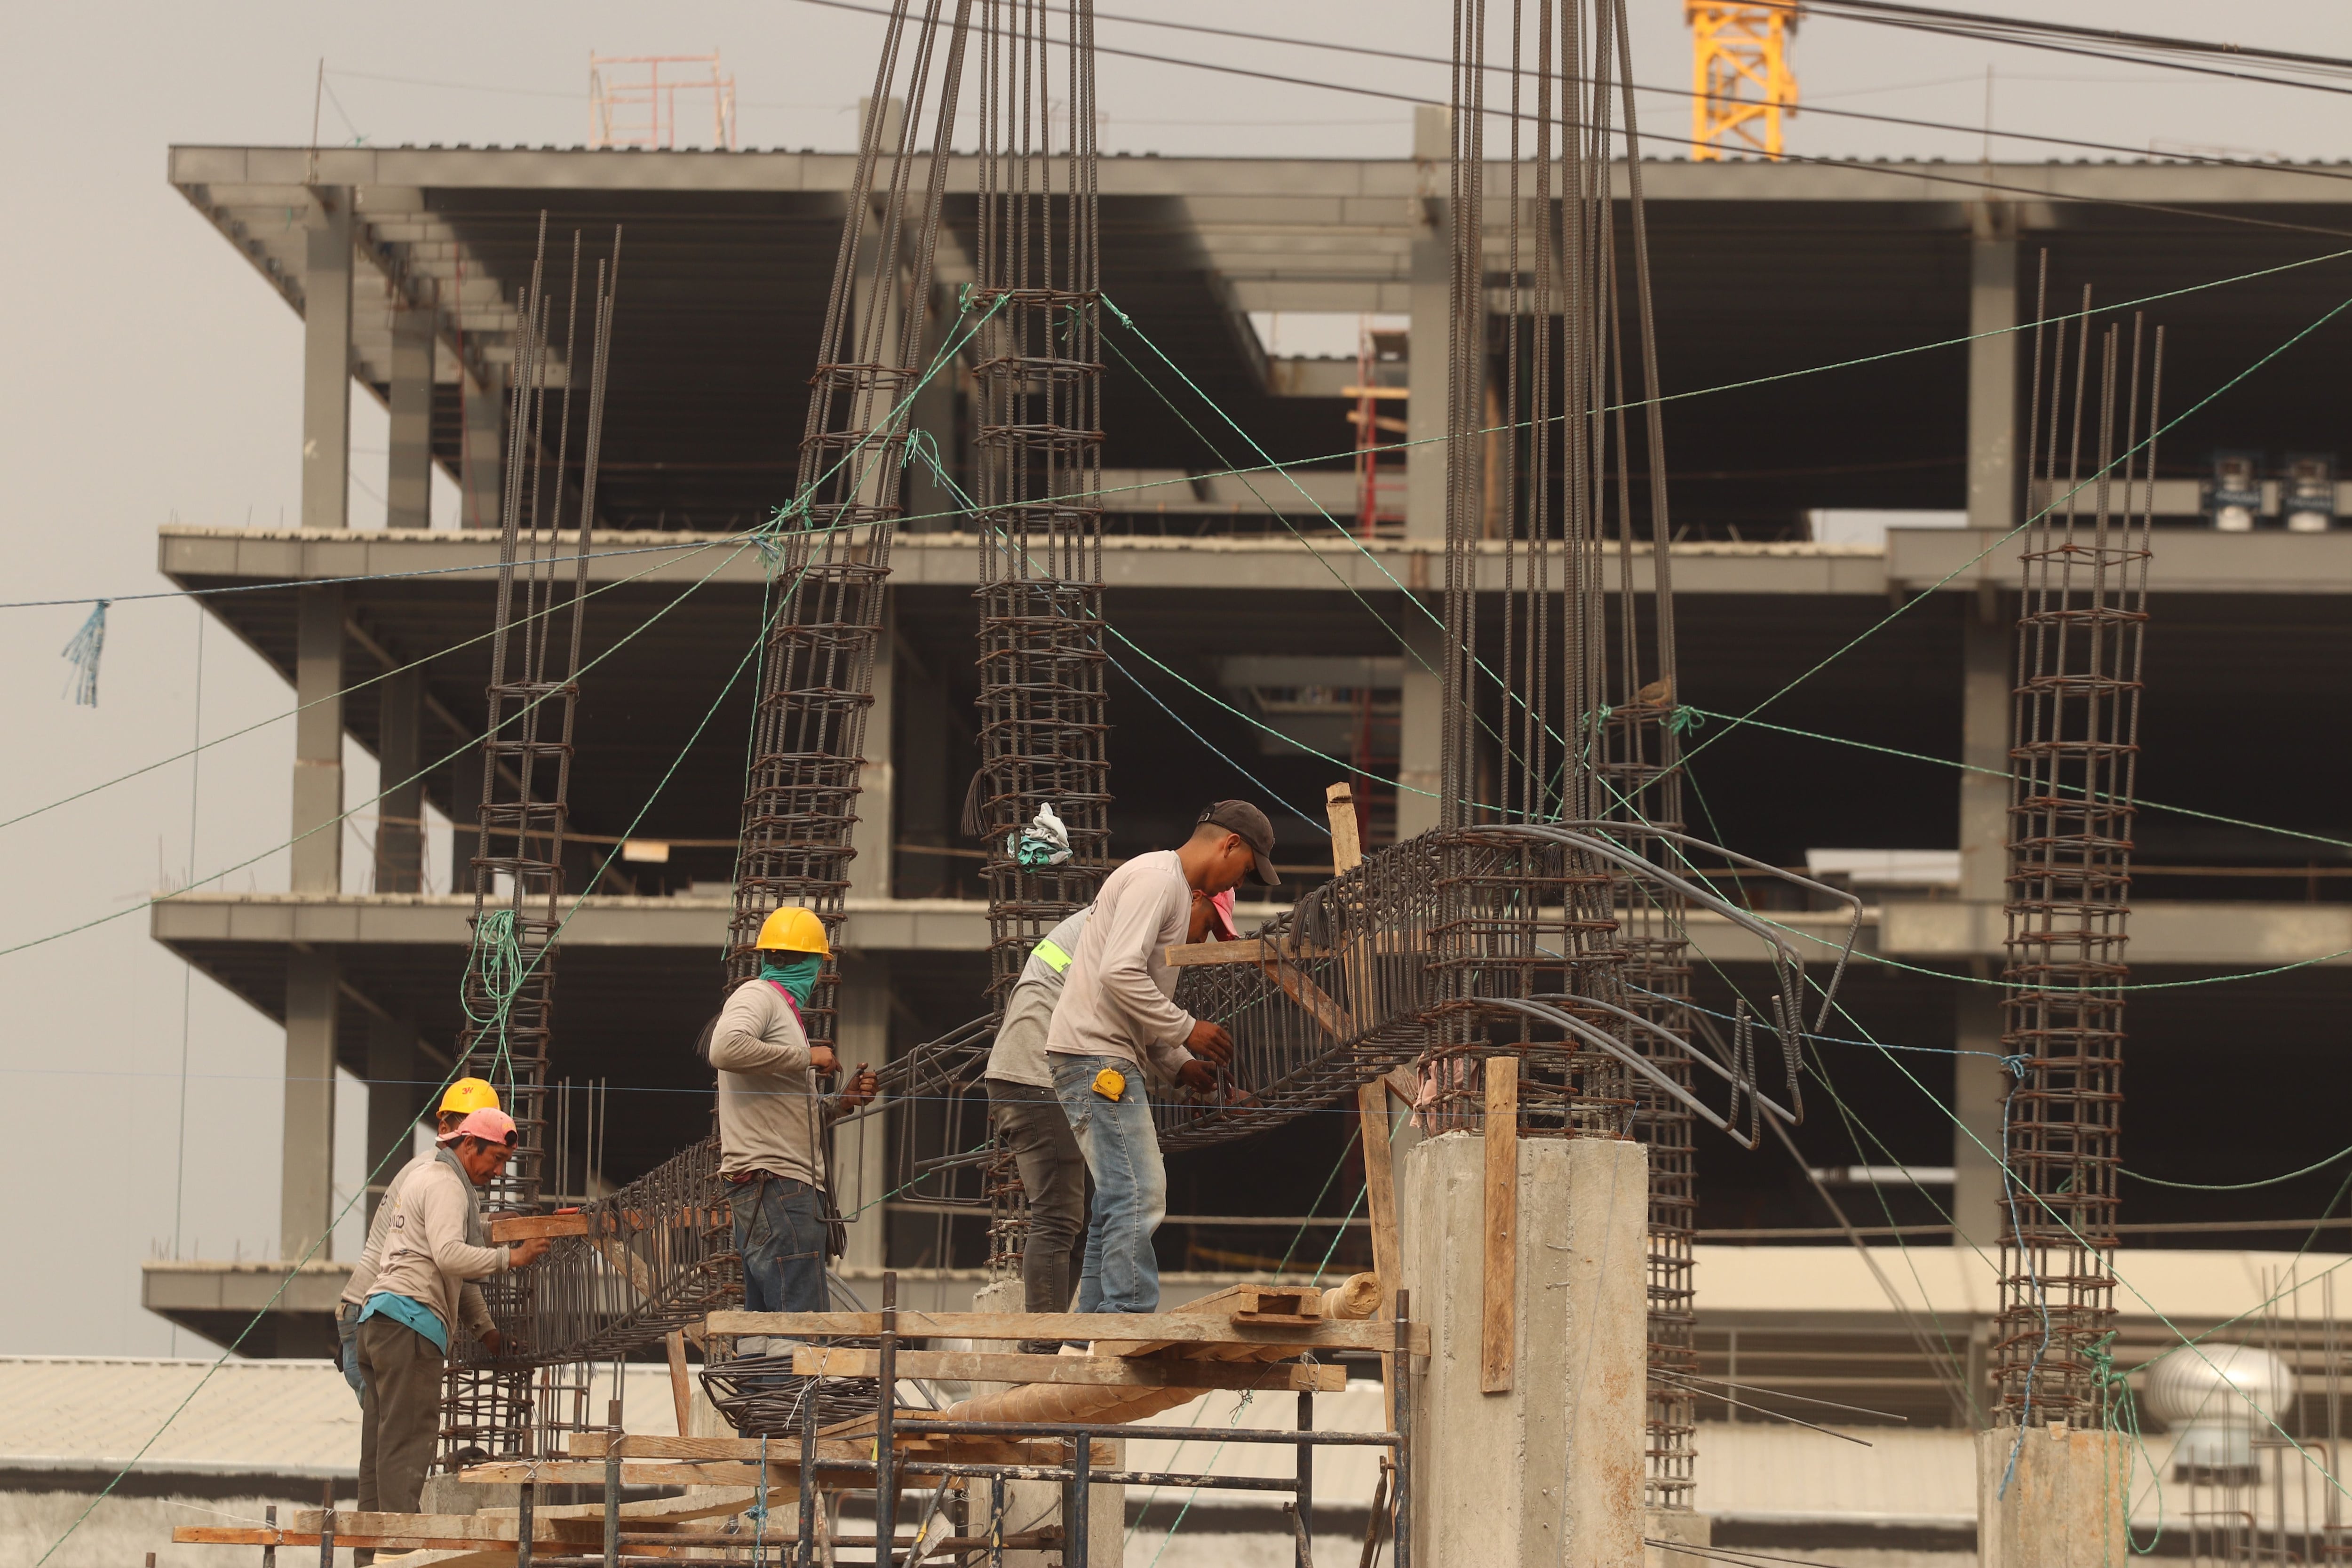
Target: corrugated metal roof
258	1417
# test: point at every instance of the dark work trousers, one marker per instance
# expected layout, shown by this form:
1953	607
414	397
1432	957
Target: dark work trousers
1054	1173
779	1231
399	1414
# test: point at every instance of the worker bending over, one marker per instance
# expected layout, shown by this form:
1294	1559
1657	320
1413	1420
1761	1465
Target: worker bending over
423	1284
1029	1116
773	1115
463	1098
1117	1013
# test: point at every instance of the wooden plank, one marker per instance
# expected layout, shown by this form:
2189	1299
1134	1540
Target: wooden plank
1380	1188
719	1456
1174	1328
1347	842
1379	1196
681	1388
1248	949
1108	1372
524	1226
1404	1086
1496	1319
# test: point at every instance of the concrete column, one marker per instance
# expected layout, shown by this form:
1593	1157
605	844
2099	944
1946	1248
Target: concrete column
326	364
1993	480
869	868
861	1151
1986	643
394	1096
409	475
400	820
306	1190
1429	297
1028	1505
1978	1084
926	502
2064	1503
481	461
1550	1472
1421	724
318	851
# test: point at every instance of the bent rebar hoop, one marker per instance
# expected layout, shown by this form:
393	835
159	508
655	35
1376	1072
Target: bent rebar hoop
1601	1040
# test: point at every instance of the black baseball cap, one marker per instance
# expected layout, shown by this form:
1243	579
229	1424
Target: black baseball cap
1240	816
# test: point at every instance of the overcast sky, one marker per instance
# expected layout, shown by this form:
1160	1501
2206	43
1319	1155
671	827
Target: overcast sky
153	376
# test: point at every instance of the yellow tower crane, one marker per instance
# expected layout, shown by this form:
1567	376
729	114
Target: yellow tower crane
1739	72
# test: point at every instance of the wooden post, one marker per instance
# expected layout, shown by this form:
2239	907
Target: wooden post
681	1391
1501	1284
1380	1193
1347	843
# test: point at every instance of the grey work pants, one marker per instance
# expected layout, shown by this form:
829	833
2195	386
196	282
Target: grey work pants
399	1414
1031	1121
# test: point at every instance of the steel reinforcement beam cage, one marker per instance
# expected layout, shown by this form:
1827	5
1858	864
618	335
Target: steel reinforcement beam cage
2074	759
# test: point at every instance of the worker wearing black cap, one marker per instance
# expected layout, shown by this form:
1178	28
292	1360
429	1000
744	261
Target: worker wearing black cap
1116	1014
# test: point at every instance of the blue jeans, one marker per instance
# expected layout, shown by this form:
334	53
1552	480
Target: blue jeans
1121	1273
779	1231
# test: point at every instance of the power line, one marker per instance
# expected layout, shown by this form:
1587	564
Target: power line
1905	170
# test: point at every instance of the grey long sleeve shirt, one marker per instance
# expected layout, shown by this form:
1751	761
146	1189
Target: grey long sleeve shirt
770	1114
1117	999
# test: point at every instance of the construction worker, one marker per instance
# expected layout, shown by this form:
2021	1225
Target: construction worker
462	1099
422	1287
1029	1117
772	1116
1116	1014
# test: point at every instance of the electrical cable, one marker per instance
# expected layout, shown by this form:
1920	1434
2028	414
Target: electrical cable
1908	171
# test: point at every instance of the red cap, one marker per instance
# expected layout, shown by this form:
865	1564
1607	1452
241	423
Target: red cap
1220	917
489	1126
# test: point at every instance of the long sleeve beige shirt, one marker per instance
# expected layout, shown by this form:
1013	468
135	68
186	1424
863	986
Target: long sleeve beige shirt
424	1254
769	1116
1117	999
472	1311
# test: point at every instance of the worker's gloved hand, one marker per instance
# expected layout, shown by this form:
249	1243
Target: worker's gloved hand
861	1088
1196	1077
1209	1041
822	1058
523	1254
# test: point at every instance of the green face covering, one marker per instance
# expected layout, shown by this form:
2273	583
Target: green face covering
796	975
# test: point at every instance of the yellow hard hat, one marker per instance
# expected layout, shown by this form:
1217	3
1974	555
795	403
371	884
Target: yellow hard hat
793	929
468	1095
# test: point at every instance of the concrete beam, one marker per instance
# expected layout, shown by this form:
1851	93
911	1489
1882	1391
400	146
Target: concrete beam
1914	560
2163	931
1313	189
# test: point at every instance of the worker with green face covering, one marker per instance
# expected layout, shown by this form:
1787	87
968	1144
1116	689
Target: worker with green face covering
773	1115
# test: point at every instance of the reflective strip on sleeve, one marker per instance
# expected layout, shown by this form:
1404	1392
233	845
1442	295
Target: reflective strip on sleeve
1055	959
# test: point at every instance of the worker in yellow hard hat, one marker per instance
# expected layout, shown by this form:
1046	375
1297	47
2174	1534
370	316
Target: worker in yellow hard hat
772	1112
463	1098
459	1101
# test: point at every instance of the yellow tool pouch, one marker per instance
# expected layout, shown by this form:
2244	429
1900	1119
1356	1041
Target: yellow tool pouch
1110	1083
